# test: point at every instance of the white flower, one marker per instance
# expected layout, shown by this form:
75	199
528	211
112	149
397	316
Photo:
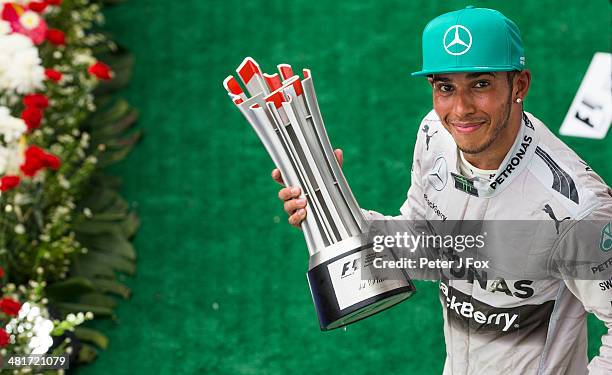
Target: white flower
5	27
10	159
11	130
42	340
83	57
20	65
29	19
19	229
63	182
33	319
20	2
10	127
4	158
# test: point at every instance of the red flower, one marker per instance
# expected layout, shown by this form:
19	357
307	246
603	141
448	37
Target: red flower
32	116
1	272
52	161
7	183
39	101
36	159
37	6
100	70
4	338
53	74
53	2
33	161
56	37
9	306
9	12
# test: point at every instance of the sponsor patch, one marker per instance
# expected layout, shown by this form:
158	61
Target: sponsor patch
464	184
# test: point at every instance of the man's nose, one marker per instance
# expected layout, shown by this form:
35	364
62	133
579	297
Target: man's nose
463	105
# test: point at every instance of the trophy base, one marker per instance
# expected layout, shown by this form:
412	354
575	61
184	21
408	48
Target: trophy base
346	287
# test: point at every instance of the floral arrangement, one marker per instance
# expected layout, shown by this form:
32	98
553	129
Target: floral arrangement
64	230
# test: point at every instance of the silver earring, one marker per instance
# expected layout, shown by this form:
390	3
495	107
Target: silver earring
518	100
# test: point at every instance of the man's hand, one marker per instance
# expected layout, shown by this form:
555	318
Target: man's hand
295	206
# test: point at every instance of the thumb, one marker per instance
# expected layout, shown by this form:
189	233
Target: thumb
276	176
339	156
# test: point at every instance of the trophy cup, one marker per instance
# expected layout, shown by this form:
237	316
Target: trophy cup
284	112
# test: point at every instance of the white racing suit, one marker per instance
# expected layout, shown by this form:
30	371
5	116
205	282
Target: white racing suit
525	326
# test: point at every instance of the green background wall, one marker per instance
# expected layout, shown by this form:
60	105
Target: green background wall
220	287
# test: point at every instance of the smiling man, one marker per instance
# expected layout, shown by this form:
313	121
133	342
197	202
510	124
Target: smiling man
479	156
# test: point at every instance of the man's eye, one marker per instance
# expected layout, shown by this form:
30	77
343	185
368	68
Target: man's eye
445	88
481	84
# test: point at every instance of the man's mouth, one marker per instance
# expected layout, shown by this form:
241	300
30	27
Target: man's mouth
467	127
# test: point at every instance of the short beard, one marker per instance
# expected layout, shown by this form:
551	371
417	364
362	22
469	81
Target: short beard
496	131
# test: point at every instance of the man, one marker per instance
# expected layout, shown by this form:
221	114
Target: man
478	156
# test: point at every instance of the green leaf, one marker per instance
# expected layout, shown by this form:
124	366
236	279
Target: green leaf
87	354
130	225
103	103
108	217
109	243
114	287
103	199
110	157
127	141
92	336
98	299
102	48
84	266
108	224
98	227
112	129
105	181
112	112
66	289
113	2
68	307
116	262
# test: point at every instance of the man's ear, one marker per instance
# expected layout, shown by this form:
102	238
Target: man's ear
522	81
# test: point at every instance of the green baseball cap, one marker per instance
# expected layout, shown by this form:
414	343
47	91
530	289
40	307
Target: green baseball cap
471	40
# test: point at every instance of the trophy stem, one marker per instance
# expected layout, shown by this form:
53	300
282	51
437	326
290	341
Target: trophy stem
345	190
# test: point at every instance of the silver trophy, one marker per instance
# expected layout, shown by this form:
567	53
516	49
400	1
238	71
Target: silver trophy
284	112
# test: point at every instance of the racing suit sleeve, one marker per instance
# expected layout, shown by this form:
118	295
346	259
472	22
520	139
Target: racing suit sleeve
411	219
584	260
413	207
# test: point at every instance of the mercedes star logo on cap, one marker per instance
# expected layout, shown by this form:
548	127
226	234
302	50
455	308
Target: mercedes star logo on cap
463	38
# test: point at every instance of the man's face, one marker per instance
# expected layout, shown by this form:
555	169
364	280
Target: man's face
473	107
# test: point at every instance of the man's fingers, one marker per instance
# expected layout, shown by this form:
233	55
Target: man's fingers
289	193
276	176
297	218
339	156
294	204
